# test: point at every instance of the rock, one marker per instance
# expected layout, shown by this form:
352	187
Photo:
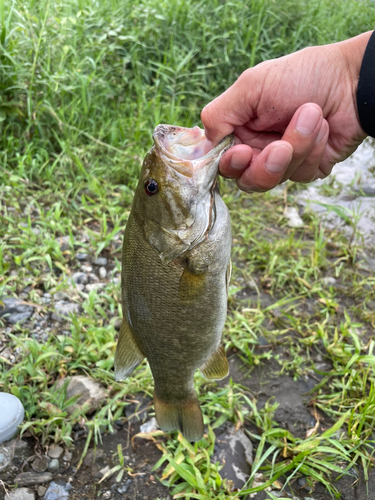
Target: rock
104	471
41	490
12	413
6	455
55	451
235	451
61	296
63	309
107	495
82	256
94	286
102	272
54	464
40	464
64	242
67	456
14	310
96	456
123	488
31	478
294	220
91	393
57	491
79	278
149	426
329	280
101	261
86	269
21	494
117	324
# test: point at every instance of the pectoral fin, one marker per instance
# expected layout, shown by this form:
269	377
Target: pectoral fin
192	285
216	367
128	355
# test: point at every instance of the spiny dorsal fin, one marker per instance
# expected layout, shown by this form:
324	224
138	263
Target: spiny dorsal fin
128	355
216	367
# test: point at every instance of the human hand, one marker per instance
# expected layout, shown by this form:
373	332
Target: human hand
293	117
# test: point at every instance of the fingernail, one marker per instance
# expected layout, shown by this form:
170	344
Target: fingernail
278	159
308	120
250	189
322	133
237	161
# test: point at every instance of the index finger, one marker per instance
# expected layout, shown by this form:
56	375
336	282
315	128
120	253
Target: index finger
230	109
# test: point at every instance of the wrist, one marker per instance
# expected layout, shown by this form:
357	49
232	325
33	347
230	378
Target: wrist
353	51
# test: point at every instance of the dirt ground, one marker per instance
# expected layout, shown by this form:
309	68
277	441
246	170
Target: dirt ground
293	414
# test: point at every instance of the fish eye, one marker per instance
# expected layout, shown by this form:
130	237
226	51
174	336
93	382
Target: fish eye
151	187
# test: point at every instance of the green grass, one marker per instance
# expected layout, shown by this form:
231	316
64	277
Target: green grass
82	86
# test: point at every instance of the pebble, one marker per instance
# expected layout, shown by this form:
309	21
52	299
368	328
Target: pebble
107	495
64	242
101	261
21	494
104	471
63	309
149	426
329	281
15	310
81	256
41	490
54	464
31	478
40	464
94	286
57	491
102	272
123	488
67	456
91	393
6	454
86	269
60	296
79	278
294	219
55	451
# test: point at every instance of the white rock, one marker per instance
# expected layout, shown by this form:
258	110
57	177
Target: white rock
102	272
329	281
149	426
294	220
94	286
21	494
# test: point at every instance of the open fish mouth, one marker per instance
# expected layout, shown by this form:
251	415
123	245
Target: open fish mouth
187	149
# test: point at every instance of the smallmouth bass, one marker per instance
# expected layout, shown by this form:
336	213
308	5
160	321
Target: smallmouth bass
175	274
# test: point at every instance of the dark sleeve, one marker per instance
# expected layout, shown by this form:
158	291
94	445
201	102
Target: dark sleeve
366	89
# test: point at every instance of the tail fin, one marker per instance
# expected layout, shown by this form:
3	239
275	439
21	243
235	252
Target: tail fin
185	416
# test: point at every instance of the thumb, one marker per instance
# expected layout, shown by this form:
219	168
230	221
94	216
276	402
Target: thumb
232	108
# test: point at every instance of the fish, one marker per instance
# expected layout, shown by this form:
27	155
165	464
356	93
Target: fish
175	274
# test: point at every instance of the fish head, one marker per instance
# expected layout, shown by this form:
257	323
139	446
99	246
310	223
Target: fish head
175	194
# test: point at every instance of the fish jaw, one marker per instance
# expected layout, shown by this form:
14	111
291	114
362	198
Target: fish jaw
188	151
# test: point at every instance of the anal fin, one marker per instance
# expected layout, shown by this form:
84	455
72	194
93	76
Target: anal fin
128	355
216	367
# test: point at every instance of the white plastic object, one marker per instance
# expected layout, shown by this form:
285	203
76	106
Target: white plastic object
11	415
